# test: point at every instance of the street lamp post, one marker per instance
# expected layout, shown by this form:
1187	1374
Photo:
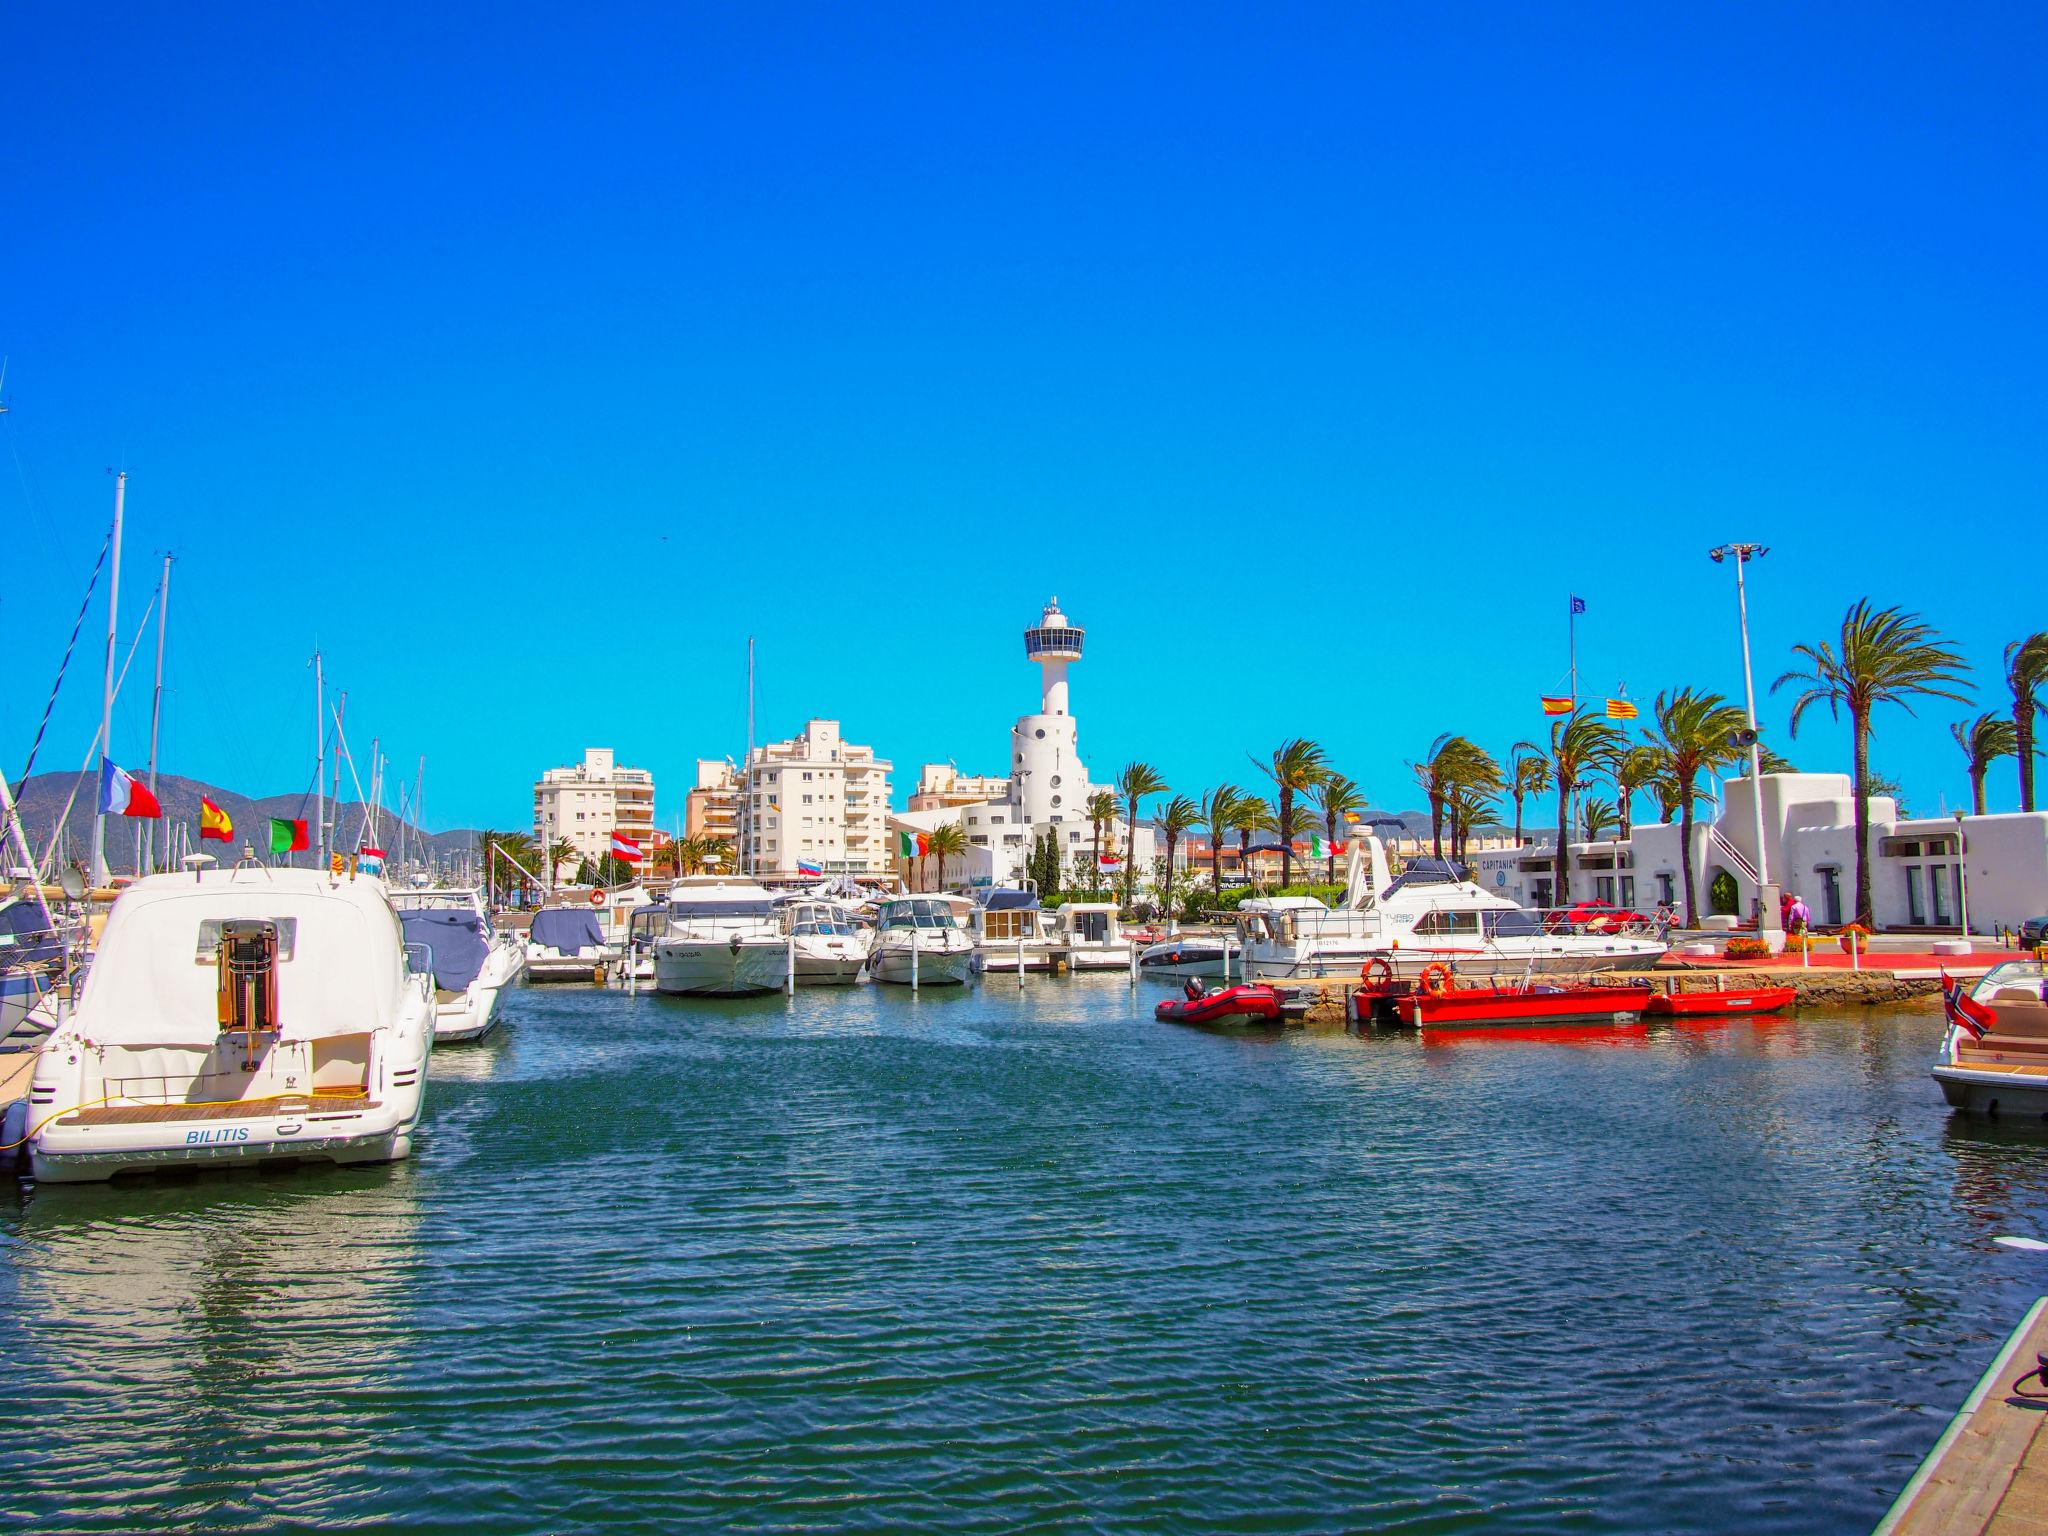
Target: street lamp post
1767	912
1962	877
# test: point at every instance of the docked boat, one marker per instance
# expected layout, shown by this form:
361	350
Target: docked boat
34	960
1010	929
636	960
919	940
826	945
724	939
1430	915
234	1016
1993	1058
1204	957
471	963
1245	1005
1091	938
566	944
1712	1003
1439	1000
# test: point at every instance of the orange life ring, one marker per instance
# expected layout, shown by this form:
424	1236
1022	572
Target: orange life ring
1436	978
1376	972
597	898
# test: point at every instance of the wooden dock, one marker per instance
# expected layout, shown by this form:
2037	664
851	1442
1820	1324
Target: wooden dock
1988	1473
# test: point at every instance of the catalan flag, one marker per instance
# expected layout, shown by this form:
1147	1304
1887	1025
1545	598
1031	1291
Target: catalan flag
215	825
1553	705
1620	709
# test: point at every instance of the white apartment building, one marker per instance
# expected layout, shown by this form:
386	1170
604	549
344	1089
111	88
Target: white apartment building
942	784
585	804
815	800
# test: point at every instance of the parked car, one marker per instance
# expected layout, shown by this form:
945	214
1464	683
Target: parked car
2034	933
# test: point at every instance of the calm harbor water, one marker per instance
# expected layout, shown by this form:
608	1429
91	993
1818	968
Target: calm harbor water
1001	1259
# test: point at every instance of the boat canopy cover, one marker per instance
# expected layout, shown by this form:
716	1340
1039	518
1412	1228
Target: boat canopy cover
24	937
456	939
567	929
1004	899
1423	871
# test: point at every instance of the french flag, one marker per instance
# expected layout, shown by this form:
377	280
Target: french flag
121	795
624	849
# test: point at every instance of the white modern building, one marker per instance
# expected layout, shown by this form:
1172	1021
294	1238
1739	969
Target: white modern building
1046	789
814	800
586	803
1917	878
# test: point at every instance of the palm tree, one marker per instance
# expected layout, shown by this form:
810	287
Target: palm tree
1101	815
1528	774
1468	806
1218	807
1984	740
1179	814
1885	656
1769	761
1580	746
1596	818
944	841
1252	815
1295	767
1693	731
2026	674
1453	763
1338	797
1134	783
561	851
1635	769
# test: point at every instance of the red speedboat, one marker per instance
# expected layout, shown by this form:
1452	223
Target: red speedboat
1700	1005
1454	1007
1226	1006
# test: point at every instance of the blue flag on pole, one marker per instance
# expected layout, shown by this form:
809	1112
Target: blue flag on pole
1578	605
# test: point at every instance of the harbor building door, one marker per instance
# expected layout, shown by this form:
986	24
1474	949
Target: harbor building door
1830	896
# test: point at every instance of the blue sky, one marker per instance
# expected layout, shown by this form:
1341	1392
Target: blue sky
529	359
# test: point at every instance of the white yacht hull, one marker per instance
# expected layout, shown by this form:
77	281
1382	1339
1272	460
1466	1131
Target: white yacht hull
935	967
472	1014
1001	957
1995	1095
1190	960
542	969
707	968
1098	957
824	962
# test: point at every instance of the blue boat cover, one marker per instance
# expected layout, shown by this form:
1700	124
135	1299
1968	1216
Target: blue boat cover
567	929
1003	899
24	937
457	940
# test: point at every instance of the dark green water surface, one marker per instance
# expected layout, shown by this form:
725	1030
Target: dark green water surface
1005	1260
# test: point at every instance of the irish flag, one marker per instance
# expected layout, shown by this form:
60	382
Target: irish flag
912	845
287	835
214	823
625	849
122	795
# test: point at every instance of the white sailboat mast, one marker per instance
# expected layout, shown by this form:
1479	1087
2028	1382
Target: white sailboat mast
99	819
156	701
319	763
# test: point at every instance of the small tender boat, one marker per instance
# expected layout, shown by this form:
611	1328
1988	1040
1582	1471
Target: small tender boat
1718	1004
1438	1001
1226	1007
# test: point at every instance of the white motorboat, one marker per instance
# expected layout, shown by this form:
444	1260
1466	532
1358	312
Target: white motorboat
2003	1073
1191	957
34	961
1011	930
1430	915
1090	937
919	939
644	925
723	940
566	944
471	963
826	945
233	1016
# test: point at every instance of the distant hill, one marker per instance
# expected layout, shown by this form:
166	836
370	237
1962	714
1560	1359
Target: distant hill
44	796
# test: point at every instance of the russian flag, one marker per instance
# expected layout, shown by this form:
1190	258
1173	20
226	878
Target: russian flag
624	849
806	867
121	795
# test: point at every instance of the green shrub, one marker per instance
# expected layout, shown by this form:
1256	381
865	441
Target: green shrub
1722	894
1237	896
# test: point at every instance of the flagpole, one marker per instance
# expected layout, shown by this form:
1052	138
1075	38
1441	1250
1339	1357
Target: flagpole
99	818
319	764
1571	624
156	705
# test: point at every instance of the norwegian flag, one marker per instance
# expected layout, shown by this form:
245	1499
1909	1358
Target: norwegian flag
624	849
1963	1010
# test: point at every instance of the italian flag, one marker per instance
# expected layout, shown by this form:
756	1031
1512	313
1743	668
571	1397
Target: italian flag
1319	848
912	845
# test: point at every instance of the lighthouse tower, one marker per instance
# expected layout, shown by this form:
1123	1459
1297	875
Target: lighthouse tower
1047	780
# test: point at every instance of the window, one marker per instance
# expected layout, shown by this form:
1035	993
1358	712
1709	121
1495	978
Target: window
1055	799
1628	890
1914	909
209	938
1055	781
1040	733
807	798
1667	890
1937	880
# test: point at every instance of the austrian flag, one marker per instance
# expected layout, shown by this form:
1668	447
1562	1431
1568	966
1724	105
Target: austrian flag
122	795
625	849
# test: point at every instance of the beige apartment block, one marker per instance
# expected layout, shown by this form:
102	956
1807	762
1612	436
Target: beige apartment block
586	803
816	799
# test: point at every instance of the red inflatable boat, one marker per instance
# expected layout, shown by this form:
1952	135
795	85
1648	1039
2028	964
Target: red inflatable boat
1227	1006
1703	1005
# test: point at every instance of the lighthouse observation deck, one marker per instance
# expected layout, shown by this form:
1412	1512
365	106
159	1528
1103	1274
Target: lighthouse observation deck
1052	638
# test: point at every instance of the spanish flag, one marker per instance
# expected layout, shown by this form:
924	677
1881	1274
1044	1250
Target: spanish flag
1620	709
214	823
1552	705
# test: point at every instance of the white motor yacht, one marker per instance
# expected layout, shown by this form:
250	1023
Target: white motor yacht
1430	915
1011	930
1192	957
723	939
1090	937
2002	1073
233	1016
566	944
471	963
826	945
919	938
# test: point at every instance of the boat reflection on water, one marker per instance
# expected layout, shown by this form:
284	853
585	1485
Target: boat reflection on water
1594	1033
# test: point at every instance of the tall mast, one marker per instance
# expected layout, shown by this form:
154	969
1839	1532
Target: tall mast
99	819
319	763
746	769
156	702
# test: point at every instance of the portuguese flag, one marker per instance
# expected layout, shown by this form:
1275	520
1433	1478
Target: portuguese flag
287	835
912	845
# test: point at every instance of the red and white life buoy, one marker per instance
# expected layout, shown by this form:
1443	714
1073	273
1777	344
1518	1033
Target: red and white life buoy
597	898
1376	972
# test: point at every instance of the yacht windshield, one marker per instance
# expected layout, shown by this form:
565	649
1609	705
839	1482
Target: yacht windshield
917	914
683	911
